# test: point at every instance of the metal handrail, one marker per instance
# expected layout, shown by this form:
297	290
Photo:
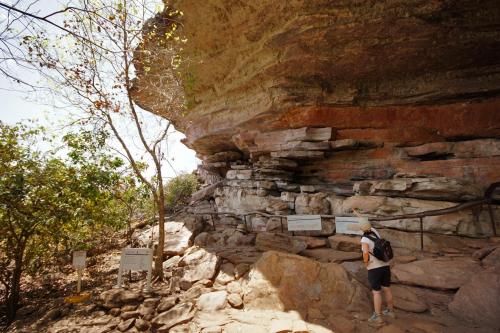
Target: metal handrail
436	212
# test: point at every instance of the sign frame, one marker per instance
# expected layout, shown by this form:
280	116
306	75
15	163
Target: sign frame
304	223
343	225
138	259
79	258
79	263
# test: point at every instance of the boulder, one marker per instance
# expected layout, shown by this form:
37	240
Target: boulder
199	264
171	263
142	325
400	259
125	325
234	288
330	255
235	300
405	299
312	204
129	314
478	300
167	303
276	224
358	271
226	274
240	270
178	236
439	273
267	241
492	259
115	298
212	301
205	193
280	326
483	252
179	314
312	242
282	281
345	243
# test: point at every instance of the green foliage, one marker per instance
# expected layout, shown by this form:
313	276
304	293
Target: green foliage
179	189
50	206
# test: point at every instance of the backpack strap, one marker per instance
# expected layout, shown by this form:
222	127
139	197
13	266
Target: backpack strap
373	239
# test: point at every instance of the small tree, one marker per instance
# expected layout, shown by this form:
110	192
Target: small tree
95	73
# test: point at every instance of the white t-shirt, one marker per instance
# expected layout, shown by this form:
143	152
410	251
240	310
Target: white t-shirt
374	262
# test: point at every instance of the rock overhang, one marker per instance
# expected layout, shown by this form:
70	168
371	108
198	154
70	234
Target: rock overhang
412	71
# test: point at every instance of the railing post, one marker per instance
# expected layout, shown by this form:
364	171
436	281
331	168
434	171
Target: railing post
213	220
281	222
421	234
245	222
492	218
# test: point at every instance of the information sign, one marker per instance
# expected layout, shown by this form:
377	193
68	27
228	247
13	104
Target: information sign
347	225
304	222
136	259
79	259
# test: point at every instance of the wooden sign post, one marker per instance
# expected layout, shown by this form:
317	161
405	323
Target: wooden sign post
137	259
79	258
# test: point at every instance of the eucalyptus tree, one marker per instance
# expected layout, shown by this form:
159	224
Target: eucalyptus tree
93	68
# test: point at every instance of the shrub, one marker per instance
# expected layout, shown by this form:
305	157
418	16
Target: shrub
179	189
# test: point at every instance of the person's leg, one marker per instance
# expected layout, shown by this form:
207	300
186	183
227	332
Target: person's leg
386	284
377	301
374	278
388	297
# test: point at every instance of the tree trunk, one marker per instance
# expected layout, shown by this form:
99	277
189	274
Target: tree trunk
161	236
12	301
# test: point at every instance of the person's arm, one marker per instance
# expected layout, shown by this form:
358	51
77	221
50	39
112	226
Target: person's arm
366	253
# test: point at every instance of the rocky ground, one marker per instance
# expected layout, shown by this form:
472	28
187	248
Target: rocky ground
230	280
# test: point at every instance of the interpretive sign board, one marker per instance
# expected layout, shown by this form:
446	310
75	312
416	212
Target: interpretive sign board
304	222
79	259
136	259
347	225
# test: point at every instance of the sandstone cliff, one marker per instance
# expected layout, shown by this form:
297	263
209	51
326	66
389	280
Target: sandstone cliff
391	107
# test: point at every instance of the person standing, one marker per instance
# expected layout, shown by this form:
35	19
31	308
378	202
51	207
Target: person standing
379	274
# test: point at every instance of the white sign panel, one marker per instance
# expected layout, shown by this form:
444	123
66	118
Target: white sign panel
79	259
346	225
304	222
138	259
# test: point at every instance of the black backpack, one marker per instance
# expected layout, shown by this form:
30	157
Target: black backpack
382	249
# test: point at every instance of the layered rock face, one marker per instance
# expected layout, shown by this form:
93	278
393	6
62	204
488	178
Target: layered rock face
319	107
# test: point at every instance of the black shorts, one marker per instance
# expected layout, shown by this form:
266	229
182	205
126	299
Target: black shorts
378	277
